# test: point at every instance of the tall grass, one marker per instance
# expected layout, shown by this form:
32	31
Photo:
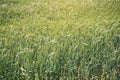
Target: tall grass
59	40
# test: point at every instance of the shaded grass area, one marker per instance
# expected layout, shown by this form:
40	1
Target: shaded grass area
60	40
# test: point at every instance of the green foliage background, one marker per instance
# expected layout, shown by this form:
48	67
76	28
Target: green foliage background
59	39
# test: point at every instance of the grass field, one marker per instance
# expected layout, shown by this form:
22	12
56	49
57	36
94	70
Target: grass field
59	39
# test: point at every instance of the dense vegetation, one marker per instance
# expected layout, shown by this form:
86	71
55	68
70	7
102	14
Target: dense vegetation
59	39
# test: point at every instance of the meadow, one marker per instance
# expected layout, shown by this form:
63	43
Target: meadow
59	39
